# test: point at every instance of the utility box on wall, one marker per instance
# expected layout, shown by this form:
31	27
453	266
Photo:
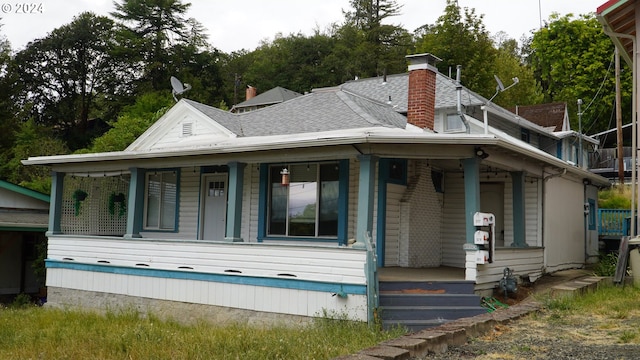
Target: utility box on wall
484	237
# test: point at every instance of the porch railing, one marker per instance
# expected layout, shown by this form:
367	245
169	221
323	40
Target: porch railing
614	222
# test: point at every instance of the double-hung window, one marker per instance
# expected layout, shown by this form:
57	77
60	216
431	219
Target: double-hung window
308	206
161	200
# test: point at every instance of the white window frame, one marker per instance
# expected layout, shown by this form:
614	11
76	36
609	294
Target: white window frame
161	207
445	122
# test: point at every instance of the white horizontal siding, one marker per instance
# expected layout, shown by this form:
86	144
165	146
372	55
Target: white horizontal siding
338	265
533	206
453	221
527	262
189	201
250	297
250	200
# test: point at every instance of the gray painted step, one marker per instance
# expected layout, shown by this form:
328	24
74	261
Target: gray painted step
447	313
448	287
403	299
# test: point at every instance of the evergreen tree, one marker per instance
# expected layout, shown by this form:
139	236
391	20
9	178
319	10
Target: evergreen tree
375	47
160	36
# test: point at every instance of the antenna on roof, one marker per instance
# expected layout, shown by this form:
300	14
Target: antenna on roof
500	87
178	88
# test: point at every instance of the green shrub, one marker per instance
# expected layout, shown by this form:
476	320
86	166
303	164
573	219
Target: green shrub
606	265
21	301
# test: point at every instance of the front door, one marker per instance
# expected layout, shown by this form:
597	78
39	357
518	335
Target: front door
214	206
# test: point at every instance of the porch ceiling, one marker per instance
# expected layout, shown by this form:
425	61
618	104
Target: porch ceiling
619	16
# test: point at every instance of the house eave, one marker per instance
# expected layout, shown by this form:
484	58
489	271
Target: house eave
238	145
375	135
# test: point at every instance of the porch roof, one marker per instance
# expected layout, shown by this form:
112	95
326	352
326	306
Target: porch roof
619	17
373	135
34	220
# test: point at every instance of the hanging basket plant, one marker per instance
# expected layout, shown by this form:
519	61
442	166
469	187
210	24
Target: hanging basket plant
78	196
120	200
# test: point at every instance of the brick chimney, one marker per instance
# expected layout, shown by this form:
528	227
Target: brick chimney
251	92
422	90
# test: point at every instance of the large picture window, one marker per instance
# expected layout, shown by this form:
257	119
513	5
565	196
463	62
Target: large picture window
308	205
160	209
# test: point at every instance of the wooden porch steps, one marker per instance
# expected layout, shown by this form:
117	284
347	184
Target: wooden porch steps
417	305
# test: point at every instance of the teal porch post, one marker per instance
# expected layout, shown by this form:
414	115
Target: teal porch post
471	194
135	204
517	177
55	204
234	202
364	230
364	224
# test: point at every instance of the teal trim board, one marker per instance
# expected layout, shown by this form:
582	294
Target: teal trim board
284	283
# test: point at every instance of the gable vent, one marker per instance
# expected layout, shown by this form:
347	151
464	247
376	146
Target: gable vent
187	129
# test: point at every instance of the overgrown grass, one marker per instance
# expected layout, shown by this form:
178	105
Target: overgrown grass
45	333
615	309
615	197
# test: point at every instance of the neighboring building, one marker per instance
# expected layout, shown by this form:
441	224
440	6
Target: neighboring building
253	101
552	116
296	209
24	217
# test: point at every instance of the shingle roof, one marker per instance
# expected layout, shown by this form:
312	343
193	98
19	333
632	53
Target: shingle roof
394	91
323	110
546	115
274	96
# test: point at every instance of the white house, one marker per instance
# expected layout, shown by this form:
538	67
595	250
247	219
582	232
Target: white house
255	213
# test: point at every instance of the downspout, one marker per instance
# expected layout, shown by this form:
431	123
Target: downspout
459	100
585	222
634	107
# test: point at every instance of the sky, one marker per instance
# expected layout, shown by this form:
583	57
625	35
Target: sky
256	20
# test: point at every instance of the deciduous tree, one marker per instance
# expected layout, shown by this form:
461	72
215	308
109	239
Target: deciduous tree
573	59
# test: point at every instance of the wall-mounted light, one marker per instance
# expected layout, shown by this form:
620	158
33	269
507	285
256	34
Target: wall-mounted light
481	153
285	177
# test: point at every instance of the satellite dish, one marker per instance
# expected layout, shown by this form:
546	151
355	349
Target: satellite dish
178	87
500	85
500	88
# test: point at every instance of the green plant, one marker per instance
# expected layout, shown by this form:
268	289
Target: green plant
79	196
606	265
21	301
39	266
120	200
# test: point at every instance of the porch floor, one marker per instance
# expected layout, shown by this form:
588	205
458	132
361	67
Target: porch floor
442	273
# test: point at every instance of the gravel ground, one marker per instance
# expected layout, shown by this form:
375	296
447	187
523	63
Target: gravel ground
548	335
556	335
519	342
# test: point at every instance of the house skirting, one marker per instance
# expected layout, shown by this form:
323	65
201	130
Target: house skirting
182	312
239	294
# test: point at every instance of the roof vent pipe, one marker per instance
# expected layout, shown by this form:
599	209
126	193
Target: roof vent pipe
459	99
